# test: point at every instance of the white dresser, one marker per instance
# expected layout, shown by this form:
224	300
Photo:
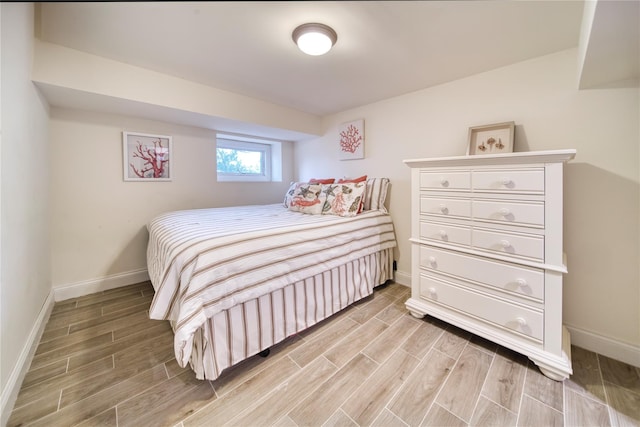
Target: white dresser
487	256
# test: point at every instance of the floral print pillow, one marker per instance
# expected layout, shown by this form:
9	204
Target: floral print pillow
343	199
306	198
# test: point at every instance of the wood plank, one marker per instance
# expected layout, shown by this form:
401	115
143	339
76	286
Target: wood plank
158	335
388	419
488	413
543	388
469	374
324	401
146	355
372	396
107	418
105	399
315	345
624	405
339	419
122	304
392	338
83	323
72	350
535	413
371	308
505	380
351	345
38	375
242	372
421	341
39	407
620	373
166	403
452	341
243	397
288	394
586	377
582	411
393	312
88	373
418	392
440	417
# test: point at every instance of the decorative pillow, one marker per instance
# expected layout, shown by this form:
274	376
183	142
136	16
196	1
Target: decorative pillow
362	178
289	194
306	198
343	199
322	181
376	194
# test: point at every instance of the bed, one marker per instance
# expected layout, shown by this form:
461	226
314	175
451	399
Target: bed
235	281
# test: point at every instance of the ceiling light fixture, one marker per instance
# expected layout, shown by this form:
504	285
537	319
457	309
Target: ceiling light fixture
314	39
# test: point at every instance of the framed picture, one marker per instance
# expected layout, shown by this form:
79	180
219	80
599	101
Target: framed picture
146	157
491	139
351	144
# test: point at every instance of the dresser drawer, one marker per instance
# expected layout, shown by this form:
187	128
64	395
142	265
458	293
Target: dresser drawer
510	212
445	206
509	181
445	233
446	180
490	309
528	282
528	246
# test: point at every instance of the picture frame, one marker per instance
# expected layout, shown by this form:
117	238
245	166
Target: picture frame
496	138
351	140
147	157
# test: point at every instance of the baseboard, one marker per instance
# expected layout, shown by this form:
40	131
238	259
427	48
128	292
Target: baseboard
10	391
403	278
100	284
606	346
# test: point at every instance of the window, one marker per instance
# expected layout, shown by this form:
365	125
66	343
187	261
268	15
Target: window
246	159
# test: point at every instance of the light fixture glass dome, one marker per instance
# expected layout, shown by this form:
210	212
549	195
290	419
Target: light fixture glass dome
314	39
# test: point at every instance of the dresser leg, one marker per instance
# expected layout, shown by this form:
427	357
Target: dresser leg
553	375
416	314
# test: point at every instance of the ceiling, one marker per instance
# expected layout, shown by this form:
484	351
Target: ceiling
384	48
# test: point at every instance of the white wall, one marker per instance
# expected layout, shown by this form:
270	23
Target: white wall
99	221
601	294
25	280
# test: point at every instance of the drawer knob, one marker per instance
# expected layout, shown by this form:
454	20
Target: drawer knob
505	244
443	234
521	282
444	182
443	208
506	181
432	260
505	212
521	321
432	292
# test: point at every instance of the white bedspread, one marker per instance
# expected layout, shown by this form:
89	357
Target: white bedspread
205	261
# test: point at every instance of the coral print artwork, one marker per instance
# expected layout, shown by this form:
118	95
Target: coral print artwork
146	157
351	143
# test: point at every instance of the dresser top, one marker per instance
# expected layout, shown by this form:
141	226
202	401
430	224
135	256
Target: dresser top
526	157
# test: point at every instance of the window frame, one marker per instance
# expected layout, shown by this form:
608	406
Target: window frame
245	145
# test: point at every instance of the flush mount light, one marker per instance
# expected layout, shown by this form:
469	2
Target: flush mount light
314	39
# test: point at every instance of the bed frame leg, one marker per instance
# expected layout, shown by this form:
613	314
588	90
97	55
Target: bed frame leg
265	353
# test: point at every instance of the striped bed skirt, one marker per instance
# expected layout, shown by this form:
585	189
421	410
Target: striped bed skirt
246	329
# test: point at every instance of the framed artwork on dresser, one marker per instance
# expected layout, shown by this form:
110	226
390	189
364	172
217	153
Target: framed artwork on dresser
491	139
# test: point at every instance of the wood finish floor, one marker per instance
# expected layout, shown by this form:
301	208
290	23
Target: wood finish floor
102	362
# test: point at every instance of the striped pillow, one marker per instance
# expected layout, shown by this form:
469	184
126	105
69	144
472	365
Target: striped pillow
376	194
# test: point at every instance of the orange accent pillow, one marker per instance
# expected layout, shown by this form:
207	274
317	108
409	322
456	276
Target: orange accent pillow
322	181
354	180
